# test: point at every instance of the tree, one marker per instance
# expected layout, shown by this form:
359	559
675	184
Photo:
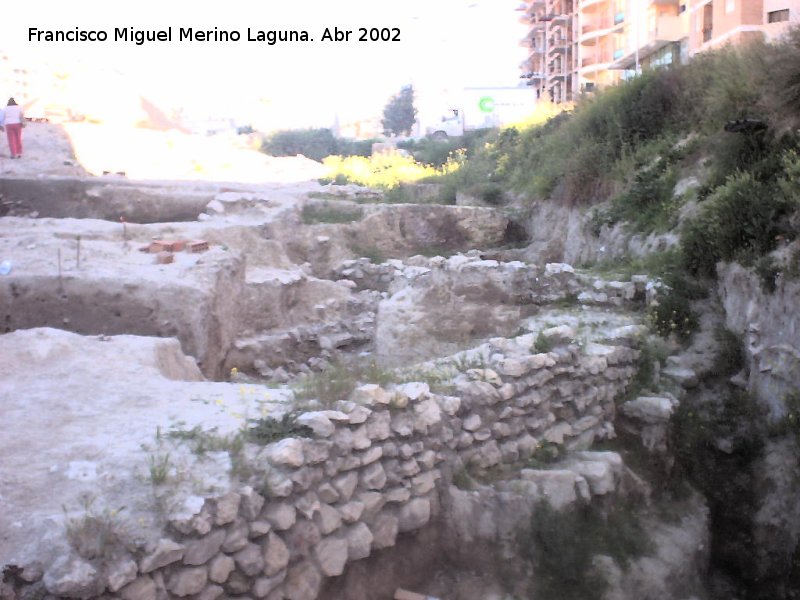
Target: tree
400	114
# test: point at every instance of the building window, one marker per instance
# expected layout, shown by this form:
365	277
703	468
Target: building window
776	16
730	5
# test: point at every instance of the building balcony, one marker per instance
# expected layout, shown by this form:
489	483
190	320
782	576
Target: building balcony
592	5
668	29
592	32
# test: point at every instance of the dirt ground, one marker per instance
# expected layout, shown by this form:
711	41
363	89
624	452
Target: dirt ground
88	149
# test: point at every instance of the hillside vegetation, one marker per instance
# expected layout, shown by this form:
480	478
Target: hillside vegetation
731	117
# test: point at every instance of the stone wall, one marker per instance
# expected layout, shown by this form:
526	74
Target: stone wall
371	472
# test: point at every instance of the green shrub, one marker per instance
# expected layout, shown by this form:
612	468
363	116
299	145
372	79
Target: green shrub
327	212
741	220
560	545
315	144
673	315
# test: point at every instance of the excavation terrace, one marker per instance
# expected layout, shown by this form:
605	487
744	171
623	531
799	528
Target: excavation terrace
167	428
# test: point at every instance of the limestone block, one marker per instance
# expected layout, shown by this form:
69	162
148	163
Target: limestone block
487	455
384	530
584	423
414	515
319	423
562	334
403	424
449	404
345	484
351	511
120	573
259	528
280	485
506	391
165	553
512	367
236	536
397	494
308	504
427	414
598	474
187	581
359	541
331	554
555	435
263	586
379	425
414	390
373	477
472	422
304	477
358	415
371	455
250	560
276	555
409	468
481	391
210	592
482	434
281	515
303	582
251	503
220	568
539	361
142	588
361	440
424	482
286	452
226	508
302	538
327	493
373	503
648	409
501	430
427	459
327	519
200	551
488	375
557	486
371	394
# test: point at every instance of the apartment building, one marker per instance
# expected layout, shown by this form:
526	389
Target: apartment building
581	45
714	23
551	63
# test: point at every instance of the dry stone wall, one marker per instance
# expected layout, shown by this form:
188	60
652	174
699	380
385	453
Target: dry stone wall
370	473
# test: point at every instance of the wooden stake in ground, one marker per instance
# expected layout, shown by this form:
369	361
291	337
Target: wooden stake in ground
60	279
79	252
124	232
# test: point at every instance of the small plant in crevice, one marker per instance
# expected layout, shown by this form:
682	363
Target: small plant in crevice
463	480
542	343
768	271
159	468
266	430
98	534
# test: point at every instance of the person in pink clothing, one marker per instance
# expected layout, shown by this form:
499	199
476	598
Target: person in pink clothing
13	121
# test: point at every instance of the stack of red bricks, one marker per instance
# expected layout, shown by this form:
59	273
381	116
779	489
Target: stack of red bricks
165	249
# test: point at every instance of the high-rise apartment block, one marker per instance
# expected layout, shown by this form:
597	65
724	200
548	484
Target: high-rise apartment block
579	45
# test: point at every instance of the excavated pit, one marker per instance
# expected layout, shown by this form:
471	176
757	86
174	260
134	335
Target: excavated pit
273	298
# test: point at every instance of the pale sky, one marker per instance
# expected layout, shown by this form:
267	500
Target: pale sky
445	45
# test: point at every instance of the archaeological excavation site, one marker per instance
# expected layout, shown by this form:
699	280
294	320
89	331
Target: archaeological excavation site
287	389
